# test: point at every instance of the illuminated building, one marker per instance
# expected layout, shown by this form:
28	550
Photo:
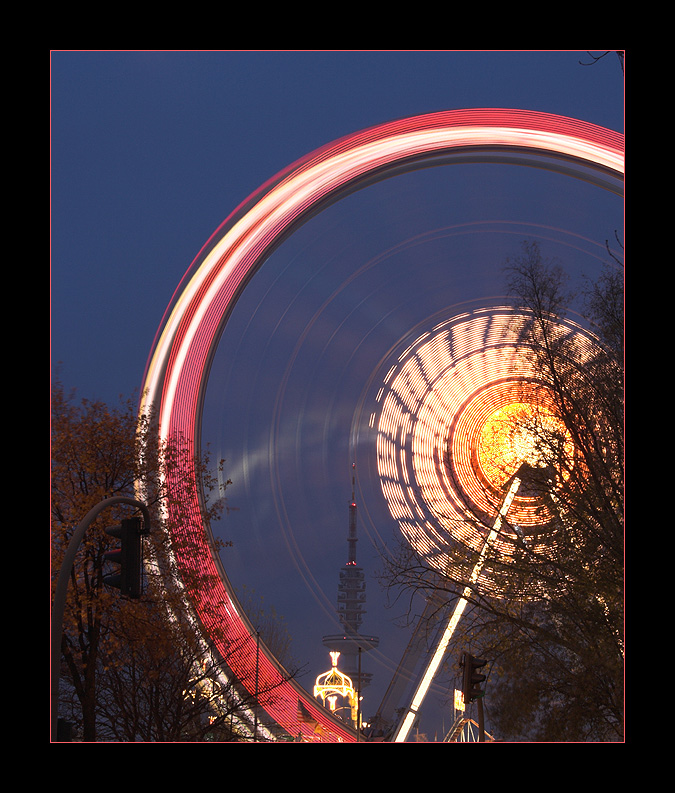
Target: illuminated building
350	644
337	690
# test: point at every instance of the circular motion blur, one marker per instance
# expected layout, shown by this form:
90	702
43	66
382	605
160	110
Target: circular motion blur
458	415
448	404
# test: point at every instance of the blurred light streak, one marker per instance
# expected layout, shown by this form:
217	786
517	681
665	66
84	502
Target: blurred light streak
439	653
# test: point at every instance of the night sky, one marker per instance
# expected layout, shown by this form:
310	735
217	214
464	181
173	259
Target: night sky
152	150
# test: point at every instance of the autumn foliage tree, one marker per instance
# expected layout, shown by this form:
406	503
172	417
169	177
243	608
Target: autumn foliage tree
133	669
93	457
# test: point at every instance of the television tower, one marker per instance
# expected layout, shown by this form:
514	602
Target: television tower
351	599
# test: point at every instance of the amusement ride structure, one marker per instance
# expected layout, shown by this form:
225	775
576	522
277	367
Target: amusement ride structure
449	396
458	421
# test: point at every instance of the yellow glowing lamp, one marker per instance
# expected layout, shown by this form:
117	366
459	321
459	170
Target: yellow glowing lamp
333	684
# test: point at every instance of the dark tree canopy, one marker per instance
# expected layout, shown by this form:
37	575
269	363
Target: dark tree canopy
555	638
134	670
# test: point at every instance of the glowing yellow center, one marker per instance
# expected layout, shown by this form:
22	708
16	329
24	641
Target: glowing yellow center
515	434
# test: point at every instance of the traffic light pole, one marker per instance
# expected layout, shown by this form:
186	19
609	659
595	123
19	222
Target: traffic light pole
481	721
471	692
59	605
129	557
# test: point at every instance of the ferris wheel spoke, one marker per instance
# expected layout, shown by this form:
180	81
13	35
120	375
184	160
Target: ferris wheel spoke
438	655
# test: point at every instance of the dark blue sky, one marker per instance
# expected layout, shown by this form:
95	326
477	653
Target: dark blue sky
152	150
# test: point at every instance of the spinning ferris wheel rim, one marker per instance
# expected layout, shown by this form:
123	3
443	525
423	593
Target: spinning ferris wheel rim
179	363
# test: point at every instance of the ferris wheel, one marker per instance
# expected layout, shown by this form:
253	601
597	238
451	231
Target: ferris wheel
448	390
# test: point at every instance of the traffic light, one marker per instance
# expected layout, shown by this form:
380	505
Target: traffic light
472	678
129	556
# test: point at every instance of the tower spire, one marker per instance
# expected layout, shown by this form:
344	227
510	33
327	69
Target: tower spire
351	537
351	600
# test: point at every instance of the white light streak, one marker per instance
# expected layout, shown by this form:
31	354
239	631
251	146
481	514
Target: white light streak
439	653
